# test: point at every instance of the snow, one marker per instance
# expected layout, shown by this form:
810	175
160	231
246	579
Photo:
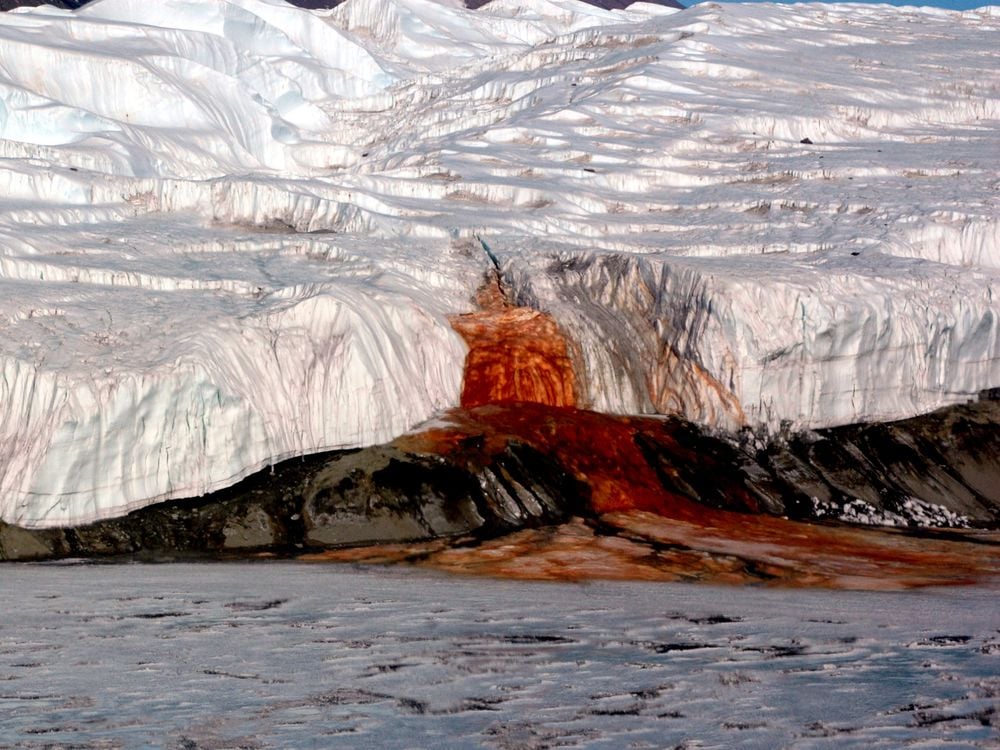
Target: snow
275	655
233	230
913	512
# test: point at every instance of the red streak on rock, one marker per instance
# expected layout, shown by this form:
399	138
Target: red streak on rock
519	358
634	472
600	450
661	534
515	355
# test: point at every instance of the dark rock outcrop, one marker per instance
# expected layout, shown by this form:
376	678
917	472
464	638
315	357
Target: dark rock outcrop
949	459
498	469
379	494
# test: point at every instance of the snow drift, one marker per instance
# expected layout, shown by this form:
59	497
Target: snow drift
232	231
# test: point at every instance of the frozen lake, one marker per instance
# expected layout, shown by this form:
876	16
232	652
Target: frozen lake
295	655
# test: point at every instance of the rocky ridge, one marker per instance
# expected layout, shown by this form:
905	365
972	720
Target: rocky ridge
479	477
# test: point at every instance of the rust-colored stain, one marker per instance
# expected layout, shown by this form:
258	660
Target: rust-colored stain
635	473
646	531
647	547
516	354
601	450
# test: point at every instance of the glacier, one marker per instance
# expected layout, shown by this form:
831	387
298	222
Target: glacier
235	231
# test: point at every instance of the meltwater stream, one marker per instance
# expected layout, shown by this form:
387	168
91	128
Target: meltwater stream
293	655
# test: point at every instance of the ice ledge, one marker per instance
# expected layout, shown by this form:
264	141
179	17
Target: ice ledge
811	340
179	373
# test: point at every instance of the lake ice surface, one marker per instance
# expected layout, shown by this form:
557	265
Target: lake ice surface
293	655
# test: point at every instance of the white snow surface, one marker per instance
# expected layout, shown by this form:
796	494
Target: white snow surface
289	655
232	231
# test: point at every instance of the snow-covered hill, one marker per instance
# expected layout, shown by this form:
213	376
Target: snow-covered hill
232	231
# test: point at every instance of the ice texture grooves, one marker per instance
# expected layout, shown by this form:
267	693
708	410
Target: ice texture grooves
232	231
286	655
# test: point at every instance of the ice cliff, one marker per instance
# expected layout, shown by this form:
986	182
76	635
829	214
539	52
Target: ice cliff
232	231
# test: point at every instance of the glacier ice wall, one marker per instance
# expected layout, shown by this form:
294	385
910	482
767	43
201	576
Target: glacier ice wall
233	230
